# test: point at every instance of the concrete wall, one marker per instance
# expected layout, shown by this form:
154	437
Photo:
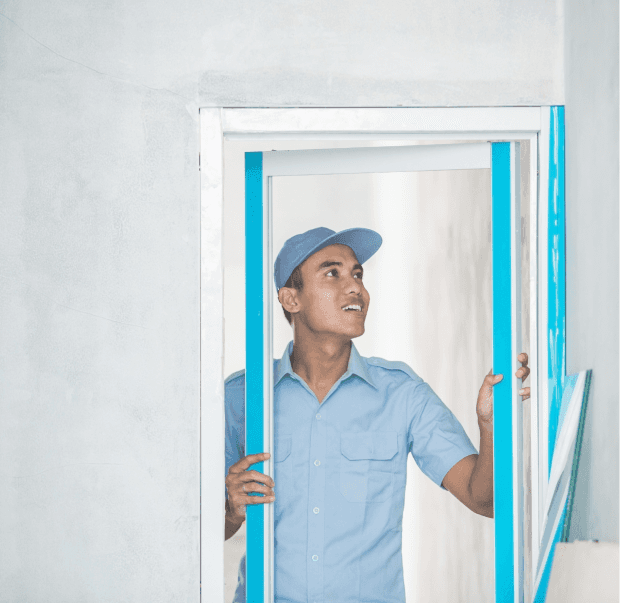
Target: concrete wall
591	80
99	323
99	241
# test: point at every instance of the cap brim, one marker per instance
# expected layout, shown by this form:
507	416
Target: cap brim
363	241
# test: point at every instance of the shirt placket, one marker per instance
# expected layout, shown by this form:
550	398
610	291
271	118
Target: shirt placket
315	552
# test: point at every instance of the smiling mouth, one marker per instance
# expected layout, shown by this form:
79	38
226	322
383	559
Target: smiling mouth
352	308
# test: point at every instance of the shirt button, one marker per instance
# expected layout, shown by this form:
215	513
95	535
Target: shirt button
315	510
318	416
317	462
315	557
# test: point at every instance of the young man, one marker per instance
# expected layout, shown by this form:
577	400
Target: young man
343	428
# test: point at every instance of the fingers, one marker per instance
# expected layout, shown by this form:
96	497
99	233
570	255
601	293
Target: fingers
248	493
254	476
247	461
248	476
238	502
259	500
256	487
238	498
492	379
248	486
523	372
525	392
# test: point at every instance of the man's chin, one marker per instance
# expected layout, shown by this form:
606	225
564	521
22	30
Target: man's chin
350	331
353	333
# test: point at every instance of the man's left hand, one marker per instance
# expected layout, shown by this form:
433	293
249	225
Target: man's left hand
484	406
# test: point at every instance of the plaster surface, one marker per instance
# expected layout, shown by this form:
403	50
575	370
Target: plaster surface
99	320
592	255
303	53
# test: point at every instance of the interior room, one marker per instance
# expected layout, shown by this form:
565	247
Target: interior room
121	272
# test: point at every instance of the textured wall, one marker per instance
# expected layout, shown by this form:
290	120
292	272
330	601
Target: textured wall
325	53
99	321
99	241
347	53
592	253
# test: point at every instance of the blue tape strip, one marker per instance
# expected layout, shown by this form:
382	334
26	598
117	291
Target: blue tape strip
502	363
556	286
254	365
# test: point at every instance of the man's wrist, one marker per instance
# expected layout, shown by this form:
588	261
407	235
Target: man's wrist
485	424
234	522
231	518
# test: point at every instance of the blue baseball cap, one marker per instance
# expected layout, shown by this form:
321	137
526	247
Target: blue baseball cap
363	241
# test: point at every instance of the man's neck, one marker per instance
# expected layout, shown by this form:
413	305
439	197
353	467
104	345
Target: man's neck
320	361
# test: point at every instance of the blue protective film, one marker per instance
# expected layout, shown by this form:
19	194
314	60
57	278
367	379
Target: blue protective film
254	365
502	364
556	274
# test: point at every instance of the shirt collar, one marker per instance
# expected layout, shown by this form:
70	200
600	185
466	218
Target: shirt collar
357	366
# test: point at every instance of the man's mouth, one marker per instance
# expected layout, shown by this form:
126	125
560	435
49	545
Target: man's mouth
352	308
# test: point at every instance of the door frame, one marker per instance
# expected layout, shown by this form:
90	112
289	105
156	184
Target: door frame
541	126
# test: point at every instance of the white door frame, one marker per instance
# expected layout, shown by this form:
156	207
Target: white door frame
218	124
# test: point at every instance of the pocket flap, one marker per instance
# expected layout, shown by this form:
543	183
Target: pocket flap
375	445
283	445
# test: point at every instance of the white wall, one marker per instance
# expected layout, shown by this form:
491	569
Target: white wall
592	254
99	318
423	53
99	241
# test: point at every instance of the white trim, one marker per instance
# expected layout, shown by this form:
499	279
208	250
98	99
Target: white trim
211	355
366	124
534	380
517	407
373	120
268	422
543	364
374	160
382	136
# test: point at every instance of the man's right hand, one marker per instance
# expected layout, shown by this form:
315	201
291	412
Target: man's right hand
240	482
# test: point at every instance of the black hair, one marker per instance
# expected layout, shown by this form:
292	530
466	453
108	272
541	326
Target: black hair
295	281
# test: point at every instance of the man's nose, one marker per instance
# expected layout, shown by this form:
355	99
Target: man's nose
354	285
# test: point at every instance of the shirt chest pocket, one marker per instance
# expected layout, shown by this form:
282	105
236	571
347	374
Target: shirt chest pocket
367	465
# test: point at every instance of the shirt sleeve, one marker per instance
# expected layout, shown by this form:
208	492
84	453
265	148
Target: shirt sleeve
436	439
234	403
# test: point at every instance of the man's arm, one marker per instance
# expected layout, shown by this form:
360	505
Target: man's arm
471	479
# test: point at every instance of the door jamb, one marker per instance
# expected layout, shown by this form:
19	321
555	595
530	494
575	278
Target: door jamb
218	124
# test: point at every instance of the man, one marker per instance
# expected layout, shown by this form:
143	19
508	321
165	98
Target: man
343	428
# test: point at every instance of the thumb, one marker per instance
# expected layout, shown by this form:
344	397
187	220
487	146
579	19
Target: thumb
493	379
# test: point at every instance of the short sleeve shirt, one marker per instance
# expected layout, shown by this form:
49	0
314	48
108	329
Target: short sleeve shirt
340	470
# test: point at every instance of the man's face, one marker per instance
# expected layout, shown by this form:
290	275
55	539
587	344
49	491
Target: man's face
333	299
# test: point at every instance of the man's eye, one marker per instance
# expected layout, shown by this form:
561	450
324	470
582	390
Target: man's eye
334	271
359	275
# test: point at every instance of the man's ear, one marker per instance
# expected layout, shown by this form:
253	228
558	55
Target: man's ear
288	299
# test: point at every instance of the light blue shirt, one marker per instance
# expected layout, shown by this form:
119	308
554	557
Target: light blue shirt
340	473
